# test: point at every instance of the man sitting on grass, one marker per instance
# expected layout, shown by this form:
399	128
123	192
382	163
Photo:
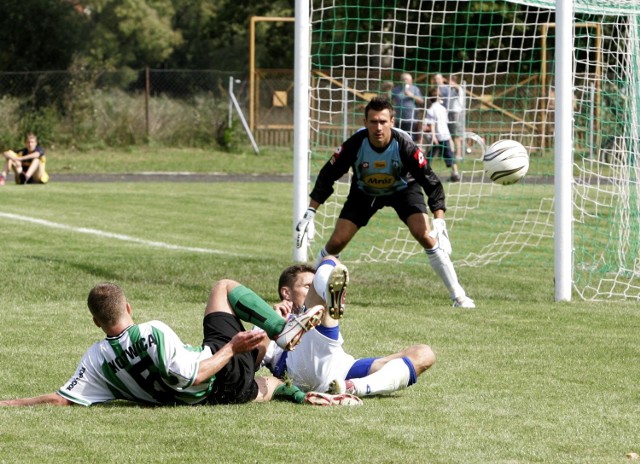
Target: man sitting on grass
148	363
28	163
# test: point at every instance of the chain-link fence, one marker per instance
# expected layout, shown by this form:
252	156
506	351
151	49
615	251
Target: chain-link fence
115	108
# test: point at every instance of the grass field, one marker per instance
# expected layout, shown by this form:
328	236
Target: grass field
521	379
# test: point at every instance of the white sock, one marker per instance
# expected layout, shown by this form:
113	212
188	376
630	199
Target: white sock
391	377
321	277
441	263
322	254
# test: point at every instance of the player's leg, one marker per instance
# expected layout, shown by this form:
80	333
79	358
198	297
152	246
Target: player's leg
272	388
40	174
411	209
228	296
329	285
355	214
342	234
450	161
33	168
377	376
438	258
421	357
6	167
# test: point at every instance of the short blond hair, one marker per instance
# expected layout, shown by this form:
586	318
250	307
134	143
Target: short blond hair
107	303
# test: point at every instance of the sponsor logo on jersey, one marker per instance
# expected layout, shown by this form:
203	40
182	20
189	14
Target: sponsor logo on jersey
364	165
380	164
80	376
419	157
379	180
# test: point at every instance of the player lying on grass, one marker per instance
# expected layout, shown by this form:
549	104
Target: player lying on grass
148	363
320	363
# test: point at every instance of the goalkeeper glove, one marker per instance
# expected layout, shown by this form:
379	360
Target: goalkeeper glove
305	227
440	227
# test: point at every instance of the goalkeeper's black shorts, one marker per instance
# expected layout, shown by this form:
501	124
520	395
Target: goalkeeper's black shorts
360	207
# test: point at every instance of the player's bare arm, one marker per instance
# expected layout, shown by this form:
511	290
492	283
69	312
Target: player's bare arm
240	343
49	398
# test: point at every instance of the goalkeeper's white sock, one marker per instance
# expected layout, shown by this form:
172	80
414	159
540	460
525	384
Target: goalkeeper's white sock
441	263
321	277
394	375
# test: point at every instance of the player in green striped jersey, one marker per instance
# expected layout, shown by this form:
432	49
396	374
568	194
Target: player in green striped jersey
148	363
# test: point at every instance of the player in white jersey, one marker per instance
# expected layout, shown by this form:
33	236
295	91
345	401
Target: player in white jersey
148	363
436	130
319	362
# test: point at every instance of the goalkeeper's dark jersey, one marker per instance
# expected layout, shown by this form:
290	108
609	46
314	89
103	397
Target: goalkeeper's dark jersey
379	172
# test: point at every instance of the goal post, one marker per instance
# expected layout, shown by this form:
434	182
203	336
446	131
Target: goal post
562	80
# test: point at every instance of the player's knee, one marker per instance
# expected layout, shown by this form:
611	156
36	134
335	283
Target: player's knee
423	357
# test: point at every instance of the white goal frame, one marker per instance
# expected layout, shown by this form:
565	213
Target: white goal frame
563	138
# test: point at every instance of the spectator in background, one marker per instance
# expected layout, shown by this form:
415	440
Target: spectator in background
436	130
386	89
406	99
443	88
456	114
28	163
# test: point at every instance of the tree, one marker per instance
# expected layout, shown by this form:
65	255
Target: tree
39	34
130	33
217	34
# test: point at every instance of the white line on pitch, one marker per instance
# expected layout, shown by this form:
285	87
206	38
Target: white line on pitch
100	233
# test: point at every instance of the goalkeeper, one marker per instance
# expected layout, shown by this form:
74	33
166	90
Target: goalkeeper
389	169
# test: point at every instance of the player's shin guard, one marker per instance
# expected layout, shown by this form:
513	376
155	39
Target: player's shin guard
441	263
394	375
251	308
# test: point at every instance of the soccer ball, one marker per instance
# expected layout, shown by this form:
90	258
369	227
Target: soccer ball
506	162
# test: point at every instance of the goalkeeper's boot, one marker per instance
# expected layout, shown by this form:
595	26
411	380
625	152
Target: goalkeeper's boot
296	326
326	399
463	302
334	293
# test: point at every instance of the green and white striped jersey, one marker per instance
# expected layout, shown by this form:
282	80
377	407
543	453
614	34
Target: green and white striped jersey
147	363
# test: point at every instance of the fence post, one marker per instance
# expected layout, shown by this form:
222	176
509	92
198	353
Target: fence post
147	86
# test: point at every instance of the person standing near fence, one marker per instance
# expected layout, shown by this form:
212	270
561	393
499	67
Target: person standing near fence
406	98
28	163
436	132
456	114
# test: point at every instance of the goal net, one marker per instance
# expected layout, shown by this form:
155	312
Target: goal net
502	55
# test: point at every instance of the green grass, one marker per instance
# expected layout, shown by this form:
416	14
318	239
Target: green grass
521	379
160	159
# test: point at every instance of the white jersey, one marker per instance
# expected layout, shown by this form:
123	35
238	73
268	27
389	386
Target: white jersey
437	115
146	363
316	361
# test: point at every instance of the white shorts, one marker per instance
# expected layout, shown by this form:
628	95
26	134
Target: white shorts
317	360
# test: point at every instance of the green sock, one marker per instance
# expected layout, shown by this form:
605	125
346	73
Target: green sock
289	393
251	308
